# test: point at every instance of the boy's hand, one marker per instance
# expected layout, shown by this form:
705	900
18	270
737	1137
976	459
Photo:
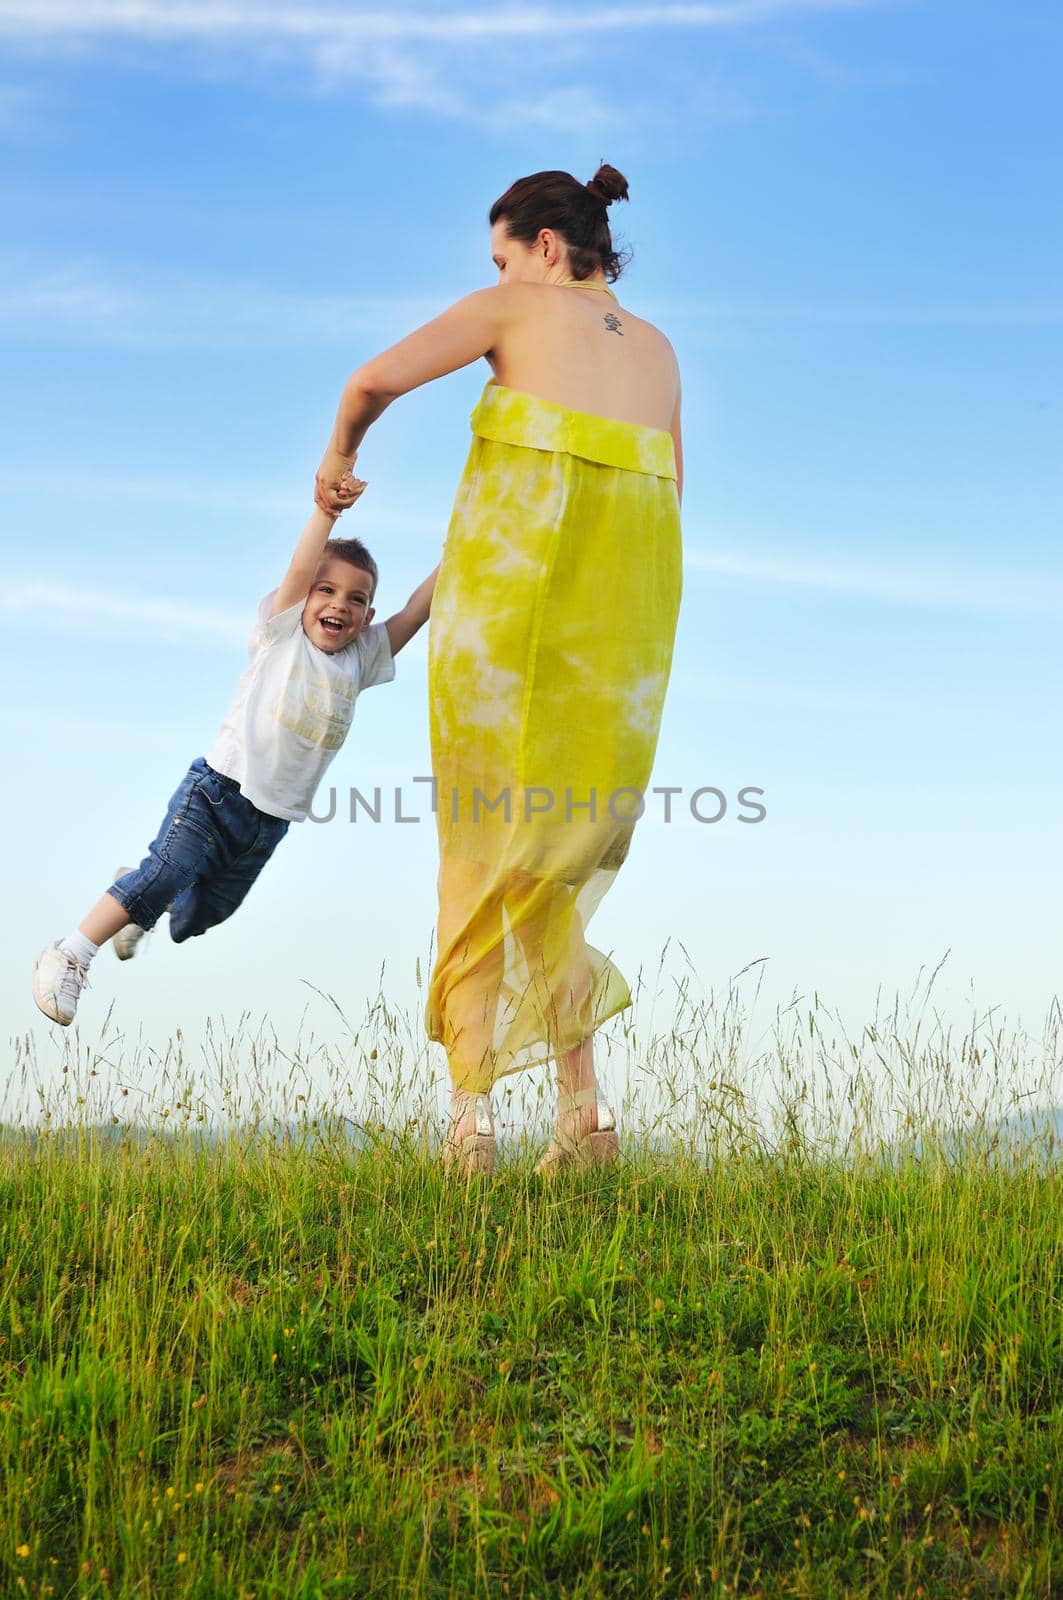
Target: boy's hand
336	487
347	491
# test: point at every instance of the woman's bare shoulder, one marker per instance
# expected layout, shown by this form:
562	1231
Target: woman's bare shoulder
651	331
512	294
507	302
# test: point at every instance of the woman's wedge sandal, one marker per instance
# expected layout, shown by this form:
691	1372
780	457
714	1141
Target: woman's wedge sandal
594	1148
474	1152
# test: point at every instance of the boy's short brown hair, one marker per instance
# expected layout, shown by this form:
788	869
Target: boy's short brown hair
354	552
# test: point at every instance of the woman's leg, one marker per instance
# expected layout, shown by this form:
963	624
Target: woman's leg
575	1071
466	984
467	992
555	952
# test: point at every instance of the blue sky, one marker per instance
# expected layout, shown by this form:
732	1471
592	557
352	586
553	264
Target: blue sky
843	213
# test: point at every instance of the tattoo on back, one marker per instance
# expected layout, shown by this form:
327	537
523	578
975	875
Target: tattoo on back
612	322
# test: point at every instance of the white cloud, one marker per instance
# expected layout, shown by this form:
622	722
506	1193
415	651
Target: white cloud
950	313
91	299
756	692
73	293
99	612
112	614
417	59
1010	593
135	309
69	727
196	494
574	106
123	614
154	21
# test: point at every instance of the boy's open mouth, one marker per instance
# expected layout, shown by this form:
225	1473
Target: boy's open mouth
331	625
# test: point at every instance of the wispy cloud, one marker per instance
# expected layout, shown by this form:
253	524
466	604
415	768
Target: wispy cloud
400	78
68	728
164	23
110	614
89	298
192	494
932	588
127	614
1033	313
729	690
102	613
438	60
100	302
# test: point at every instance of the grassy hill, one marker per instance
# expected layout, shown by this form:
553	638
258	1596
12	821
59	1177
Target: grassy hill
252	1368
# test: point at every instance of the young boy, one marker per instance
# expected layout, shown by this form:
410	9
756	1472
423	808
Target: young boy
315	647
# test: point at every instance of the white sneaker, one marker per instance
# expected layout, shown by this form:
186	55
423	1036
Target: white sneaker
57	983
125	941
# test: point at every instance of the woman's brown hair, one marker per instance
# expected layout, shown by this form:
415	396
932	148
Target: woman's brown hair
579	212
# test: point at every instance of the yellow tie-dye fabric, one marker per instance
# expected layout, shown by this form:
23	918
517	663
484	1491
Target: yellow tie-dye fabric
550	646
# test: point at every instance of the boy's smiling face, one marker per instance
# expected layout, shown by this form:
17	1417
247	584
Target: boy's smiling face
338	606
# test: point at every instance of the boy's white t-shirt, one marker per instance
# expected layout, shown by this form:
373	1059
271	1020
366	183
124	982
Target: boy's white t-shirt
291	709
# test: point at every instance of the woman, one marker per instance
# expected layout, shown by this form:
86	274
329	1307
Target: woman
550	644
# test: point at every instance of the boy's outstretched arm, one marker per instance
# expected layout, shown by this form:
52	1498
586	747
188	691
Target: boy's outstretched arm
414	614
295	585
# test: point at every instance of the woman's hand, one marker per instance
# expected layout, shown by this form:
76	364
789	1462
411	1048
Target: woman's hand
336	487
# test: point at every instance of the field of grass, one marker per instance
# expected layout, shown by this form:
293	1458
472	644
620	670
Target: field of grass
297	1363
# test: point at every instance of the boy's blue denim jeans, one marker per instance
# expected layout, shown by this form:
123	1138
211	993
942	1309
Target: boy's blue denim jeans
211	847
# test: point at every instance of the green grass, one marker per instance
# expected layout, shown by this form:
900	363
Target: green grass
296	1367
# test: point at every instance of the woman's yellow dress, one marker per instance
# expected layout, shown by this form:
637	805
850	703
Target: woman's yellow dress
550	647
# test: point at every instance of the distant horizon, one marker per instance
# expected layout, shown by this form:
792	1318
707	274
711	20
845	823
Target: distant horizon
1044	1125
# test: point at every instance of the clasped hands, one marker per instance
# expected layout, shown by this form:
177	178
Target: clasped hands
336	487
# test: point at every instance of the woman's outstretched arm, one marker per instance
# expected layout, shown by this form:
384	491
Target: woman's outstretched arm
468	330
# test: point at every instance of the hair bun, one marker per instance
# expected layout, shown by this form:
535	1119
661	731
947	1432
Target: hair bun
608	185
